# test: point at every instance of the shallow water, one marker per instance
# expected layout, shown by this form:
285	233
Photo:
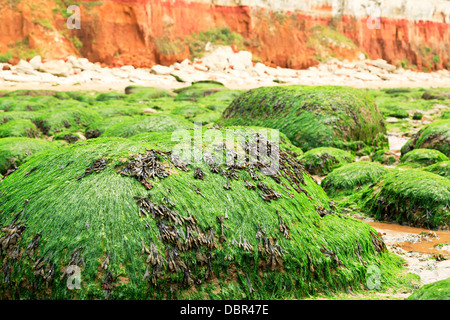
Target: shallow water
408	238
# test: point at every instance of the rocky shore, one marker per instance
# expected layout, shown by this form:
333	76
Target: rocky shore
235	69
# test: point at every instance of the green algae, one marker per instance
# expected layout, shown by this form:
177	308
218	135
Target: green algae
436	135
199	89
385	157
413	197
19	128
15	150
138	93
52	121
421	158
156	123
98	128
439	290
349	177
313	116
322	161
441	168
98	213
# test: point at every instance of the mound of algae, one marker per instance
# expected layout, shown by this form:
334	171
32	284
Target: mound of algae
322	161
414	197
349	177
422	158
436	136
139	223
313	117
439	290
441	168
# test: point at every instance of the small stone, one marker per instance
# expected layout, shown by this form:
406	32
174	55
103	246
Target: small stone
391	120
160	70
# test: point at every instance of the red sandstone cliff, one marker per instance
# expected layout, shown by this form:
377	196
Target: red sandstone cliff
118	32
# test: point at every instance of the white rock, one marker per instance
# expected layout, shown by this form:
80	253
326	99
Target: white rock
127	68
161	70
259	69
382	64
185	63
286	73
20	78
218	59
241	60
75	62
24	67
47	77
391	120
36	62
57	68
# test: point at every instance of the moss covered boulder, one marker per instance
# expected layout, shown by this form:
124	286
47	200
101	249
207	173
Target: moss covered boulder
439	290
322	161
198	90
385	157
313	117
413	197
52	121
96	129
14	151
441	168
422	157
434	136
136	222
346	179
19	128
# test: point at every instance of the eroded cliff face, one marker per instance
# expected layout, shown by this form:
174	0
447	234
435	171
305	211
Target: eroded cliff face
286	33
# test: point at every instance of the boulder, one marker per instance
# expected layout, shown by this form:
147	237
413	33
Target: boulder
57	67
36	62
313	117
25	68
160	70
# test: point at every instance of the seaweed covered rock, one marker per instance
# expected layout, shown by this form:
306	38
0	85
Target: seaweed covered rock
439	290
126	216
346	179
413	197
199	90
385	157
151	123
322	161
52	121
19	128
14	151
422	157
436	136
97	128
11	104
441	168
313	117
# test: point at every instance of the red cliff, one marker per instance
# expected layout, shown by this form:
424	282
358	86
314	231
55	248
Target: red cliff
145	32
